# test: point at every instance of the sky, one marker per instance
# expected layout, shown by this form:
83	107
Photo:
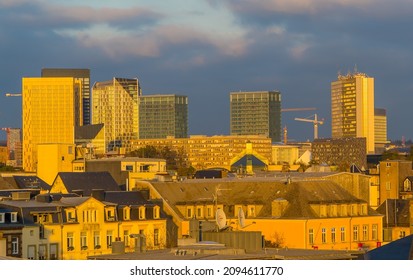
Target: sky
207	48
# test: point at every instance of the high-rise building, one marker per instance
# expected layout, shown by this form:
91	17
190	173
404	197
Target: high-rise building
256	113
84	76
50	114
115	104
380	129
352	108
163	115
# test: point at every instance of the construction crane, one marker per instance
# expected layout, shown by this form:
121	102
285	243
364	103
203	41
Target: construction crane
12	94
297	109
315	121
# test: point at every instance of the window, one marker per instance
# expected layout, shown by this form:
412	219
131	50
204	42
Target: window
96	240
343	234
53	251
42	252
156	237
1	218
126	238
311	236
365	232
333	235
323	210
126	213
374	232
251	211
388	186
199	213
323	235
31	252
109	236
83	240
15	245
13	217
142	211
209	211
388	164
355	233
71	216
110	214
189	212
129	167
70	241
156	212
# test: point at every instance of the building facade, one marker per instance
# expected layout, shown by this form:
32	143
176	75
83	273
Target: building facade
202	152
51	110
115	104
163	115
84	76
342	152
256	113
352	108
380	129
392	176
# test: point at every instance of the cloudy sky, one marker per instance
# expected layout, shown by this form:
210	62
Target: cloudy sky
206	48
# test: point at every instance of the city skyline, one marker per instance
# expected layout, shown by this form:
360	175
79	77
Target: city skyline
206	49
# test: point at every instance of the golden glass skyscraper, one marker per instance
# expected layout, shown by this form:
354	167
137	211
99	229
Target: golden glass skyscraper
115	104
352	108
51	109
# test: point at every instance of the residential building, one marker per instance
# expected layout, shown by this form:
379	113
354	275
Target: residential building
202	152
84	76
124	170
163	115
51	110
340	152
397	218
288	154
352	108
317	214
392	178
256	113
115	104
380	130
57	226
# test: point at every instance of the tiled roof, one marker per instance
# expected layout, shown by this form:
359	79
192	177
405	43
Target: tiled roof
24	182
299	195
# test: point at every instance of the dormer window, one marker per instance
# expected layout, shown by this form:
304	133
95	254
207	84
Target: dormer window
142	211
13	217
2	219
71	217
126	213
110	214
156	212
251	211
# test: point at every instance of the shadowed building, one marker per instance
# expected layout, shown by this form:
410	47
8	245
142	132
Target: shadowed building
163	115
256	113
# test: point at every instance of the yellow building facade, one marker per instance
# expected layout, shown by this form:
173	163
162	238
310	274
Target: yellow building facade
54	158
51	109
204	152
303	215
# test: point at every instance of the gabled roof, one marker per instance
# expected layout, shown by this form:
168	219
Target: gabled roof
396	212
24	182
88	181
300	195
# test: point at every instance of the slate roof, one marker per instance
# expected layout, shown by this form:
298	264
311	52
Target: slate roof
88	131
126	198
24	182
401	249
299	195
397	212
88	181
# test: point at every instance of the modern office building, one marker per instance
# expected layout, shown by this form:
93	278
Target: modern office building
115	104
50	114
380	129
203	152
84	76
352	108
256	113
163	115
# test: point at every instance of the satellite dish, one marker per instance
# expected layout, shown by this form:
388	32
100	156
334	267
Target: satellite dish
241	217
221	219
